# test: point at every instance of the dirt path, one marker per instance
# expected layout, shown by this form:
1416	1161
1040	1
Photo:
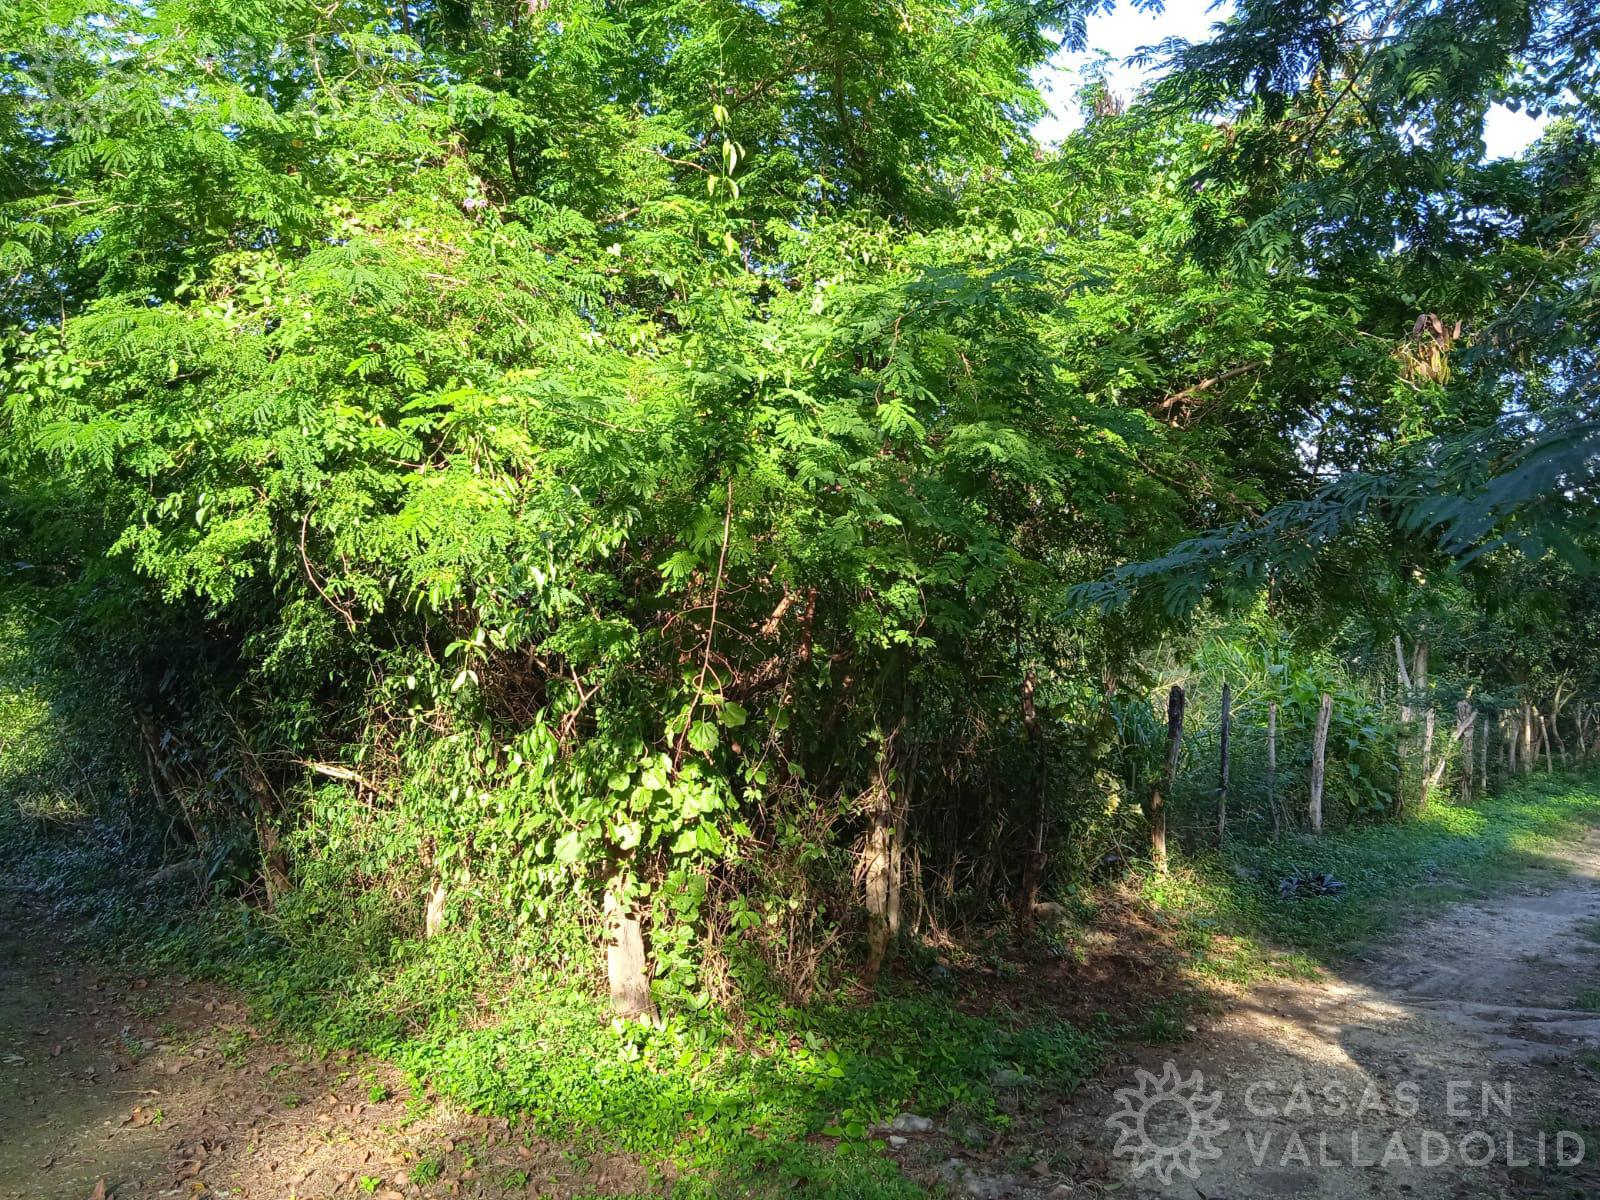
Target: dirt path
161	1088
1459	1062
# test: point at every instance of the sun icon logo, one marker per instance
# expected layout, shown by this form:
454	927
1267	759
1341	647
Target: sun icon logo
1167	1123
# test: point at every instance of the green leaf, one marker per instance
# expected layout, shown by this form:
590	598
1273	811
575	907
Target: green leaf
707	838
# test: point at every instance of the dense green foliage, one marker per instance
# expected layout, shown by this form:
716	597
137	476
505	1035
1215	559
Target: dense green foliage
707	459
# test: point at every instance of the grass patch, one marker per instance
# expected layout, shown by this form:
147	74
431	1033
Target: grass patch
1573	1146
784	1098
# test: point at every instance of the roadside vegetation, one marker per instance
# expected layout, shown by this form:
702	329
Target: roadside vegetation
671	568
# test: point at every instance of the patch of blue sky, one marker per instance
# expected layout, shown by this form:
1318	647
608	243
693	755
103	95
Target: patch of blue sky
1115	36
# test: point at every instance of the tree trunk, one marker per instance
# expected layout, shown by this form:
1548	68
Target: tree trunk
1222	769
1033	868
1402	693
880	868
1558	701
1425	783
1272	768
1528	752
274	861
1403	687
1466	719
1544	740
626	966
1463	730
1413	685
1319	753
1419	681
1155	808
1483	755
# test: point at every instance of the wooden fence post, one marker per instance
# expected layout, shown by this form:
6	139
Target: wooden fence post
1222	770
1155	809
1528	752
1319	752
880	865
1272	767
1033	868
1483	754
1425	782
1402	691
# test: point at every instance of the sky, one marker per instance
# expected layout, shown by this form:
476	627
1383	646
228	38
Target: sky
1506	134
